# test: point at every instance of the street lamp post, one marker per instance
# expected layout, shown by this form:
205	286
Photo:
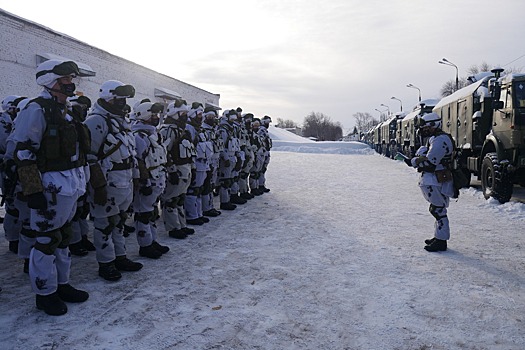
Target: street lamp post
415	87
448	63
395	98
380	114
387	108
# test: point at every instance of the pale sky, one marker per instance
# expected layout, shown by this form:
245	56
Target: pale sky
287	58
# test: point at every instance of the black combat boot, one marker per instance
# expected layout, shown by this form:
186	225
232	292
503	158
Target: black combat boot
429	241
246	195
256	192
212	213
86	243
263	189
178	234
161	248
235	199
69	294
196	221
13	246
204	219
78	249
149	252
51	304
439	245
122	263
108	271
228	206
188	231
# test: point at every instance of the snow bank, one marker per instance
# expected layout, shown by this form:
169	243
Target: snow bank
286	141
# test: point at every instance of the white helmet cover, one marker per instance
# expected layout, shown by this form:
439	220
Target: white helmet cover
115	89
49	71
430	120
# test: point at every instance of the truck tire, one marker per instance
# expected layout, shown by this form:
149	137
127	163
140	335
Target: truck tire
495	181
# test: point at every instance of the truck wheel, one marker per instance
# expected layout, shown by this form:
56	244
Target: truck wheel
495	181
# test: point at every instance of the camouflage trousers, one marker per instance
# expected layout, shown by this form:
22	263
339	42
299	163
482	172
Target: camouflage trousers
438	208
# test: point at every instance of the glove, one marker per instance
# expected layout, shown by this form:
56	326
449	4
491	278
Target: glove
145	190
100	196
10	169
37	201
173	178
408	161
238	165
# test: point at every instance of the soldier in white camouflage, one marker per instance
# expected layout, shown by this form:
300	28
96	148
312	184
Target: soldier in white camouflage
151	181
112	166
180	153
51	173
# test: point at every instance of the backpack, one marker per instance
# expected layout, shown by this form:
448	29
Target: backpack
459	178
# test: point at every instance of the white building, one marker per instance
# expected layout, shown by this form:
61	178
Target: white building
25	44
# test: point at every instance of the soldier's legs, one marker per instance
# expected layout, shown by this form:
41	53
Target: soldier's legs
49	261
438	209
102	237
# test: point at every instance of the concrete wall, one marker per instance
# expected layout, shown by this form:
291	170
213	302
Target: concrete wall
23	40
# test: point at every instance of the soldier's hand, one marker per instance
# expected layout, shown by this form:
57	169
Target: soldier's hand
100	195
37	201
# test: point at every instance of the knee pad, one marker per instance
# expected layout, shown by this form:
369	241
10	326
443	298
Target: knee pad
435	211
121	217
180	200
112	223
53	237
67	233
28	233
144	217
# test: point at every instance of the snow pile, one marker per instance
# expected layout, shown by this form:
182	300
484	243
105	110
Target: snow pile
287	141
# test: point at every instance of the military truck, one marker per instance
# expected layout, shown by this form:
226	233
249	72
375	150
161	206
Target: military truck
389	135
487	122
376	135
410	141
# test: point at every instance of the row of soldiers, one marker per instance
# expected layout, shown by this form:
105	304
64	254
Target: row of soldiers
65	159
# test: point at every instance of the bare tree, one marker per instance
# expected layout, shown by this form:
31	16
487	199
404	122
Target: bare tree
288	123
364	121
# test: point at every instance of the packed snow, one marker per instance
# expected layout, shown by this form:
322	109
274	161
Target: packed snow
331	258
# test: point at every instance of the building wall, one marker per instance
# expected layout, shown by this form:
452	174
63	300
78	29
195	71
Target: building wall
23	40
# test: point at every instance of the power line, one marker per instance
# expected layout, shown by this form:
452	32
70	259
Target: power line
514	60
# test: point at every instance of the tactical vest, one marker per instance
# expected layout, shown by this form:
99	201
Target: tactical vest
59	142
182	150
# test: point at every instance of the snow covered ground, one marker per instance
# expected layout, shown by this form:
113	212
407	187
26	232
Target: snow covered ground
331	258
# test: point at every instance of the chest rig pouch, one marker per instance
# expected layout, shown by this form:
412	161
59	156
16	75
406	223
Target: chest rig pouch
58	146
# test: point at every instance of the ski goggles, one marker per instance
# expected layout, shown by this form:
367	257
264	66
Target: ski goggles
123	91
62	69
